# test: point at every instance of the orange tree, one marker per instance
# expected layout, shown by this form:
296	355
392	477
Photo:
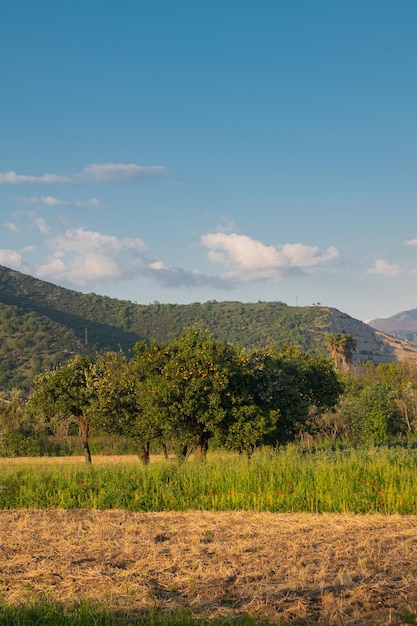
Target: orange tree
295	384
62	393
115	403
130	396
195	389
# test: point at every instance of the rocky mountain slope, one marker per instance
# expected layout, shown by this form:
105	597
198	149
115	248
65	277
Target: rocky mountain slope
373	345
402	325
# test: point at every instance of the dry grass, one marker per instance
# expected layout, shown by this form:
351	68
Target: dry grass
325	569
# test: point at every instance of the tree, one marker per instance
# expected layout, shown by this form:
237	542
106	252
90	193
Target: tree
406	398
153	419
13	413
124	395
191	390
295	384
109	377
401	377
341	347
249	426
184	387
373	413
18	432
64	392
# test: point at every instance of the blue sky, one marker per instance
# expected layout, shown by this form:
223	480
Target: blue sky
184	151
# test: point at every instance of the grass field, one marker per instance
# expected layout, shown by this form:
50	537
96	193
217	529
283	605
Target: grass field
65	561
369	480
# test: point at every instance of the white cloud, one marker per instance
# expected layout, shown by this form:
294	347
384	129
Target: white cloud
384	268
12	227
92	202
227	225
79	270
79	256
53	201
250	259
11	178
95	172
41	225
83	241
158	265
105	172
411	242
10	258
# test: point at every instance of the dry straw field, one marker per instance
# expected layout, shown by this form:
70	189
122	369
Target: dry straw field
295	568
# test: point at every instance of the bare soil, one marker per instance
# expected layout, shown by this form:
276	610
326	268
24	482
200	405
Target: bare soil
293	568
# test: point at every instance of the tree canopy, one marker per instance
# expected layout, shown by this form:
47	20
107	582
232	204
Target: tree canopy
190	391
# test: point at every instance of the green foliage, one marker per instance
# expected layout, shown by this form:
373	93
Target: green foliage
18	433
114	397
189	391
13	413
294	384
14	443
63	392
249	427
378	402
376	413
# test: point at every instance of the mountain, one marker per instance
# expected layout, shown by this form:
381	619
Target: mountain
43	325
402	325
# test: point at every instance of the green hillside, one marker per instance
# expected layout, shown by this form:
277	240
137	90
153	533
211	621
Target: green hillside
43	325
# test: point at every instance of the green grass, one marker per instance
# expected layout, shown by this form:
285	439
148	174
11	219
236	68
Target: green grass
374	479
89	614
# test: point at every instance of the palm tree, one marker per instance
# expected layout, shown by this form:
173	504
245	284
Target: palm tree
341	347
350	344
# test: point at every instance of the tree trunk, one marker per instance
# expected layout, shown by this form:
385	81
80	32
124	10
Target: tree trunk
85	431
165	451
201	447
250	451
183	453
144	455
